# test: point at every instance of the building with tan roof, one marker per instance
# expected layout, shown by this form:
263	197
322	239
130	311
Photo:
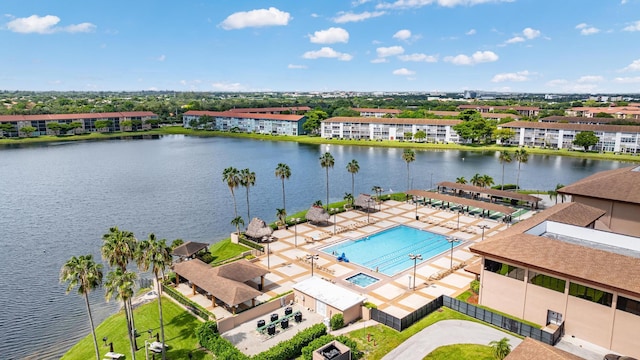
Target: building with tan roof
377	113
617	193
261	123
532	349
371	128
557	268
521	110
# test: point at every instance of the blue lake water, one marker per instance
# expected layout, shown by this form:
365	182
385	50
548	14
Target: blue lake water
57	200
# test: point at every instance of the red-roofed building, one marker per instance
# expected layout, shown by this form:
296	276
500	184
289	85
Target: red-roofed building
377	113
284	110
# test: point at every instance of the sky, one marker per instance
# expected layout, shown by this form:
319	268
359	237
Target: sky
543	46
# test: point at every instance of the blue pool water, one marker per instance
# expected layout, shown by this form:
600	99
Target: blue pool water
388	251
362	280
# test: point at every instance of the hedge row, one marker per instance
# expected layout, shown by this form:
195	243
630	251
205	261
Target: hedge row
251	244
291	349
307	351
207	334
193	306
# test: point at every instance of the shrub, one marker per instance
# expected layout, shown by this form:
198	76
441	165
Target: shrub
307	351
370	305
223	349
337	322
292	348
206	257
475	286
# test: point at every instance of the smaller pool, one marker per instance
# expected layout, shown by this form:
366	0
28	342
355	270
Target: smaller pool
362	280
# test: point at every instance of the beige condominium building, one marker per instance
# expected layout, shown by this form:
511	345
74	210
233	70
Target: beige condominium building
562	266
372	128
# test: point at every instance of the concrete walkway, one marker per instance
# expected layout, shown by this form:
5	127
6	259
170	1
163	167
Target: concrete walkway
447	332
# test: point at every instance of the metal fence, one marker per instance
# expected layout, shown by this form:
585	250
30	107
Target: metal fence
475	312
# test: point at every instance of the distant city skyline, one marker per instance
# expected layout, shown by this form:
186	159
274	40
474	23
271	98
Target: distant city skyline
522	46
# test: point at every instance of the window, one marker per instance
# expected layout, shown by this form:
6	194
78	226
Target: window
591	294
547	281
511	271
628	305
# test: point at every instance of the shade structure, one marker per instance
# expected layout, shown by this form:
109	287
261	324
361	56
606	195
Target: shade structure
317	214
365	202
189	249
258	229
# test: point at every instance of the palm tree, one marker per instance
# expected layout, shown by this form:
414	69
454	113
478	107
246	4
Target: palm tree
501	348
553	194
120	285
283	171
327	161
281	214
521	156
247	179
155	255
348	198
505	157
237	222
461	180
377	190
408	156
487	181
84	273
353	167
231	176
476	180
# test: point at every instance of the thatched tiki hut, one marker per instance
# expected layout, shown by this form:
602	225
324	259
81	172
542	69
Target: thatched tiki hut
258	229
365	203
317	215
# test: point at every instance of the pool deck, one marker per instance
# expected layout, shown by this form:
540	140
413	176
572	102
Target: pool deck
394	295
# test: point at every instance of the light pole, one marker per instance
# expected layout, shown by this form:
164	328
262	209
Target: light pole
335	211
452	240
483	226
415	258
368	209
266	239
459	211
295	229
312	257
415	200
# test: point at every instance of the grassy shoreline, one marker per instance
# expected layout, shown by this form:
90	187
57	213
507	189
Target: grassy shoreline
316	140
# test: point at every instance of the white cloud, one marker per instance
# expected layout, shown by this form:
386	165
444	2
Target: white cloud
476	58
330	36
345	17
409	4
515	39
389	51
379	61
590	79
402	34
46	25
403	72
161	57
516	76
294	66
314	15
622	2
627	80
586	29
471	32
419	58
225	86
256	18
327	52
634	66
633	27
557	82
530	33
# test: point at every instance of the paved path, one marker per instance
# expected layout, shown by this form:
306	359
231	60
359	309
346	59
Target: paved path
447	332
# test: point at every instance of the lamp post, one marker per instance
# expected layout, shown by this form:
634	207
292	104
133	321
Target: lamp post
452	240
415	258
335	211
312	257
415	200
295	229
459	211
483	226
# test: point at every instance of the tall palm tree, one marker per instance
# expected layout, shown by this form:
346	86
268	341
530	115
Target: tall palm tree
408	156
84	273
237	222
487	181
505	157
353	167
348	198
281	214
119	284
247	180
154	254
554	194
521	156
283	171
461	180
327	161
501	348
476	180
231	176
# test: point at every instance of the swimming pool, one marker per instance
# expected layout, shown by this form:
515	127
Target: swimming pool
362	280
388	251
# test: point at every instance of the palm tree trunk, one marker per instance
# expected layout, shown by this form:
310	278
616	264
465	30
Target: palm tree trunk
133	320
284	202
235	207
518	177
408	185
502	185
164	354
93	330
248	211
327	189
131	339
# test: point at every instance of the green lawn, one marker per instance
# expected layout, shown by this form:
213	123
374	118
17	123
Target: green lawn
179	335
225	249
461	352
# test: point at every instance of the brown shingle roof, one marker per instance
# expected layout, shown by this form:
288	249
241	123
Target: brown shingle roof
619	185
532	349
189	248
489	191
603	268
374	110
241	270
392	121
270	109
462	201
